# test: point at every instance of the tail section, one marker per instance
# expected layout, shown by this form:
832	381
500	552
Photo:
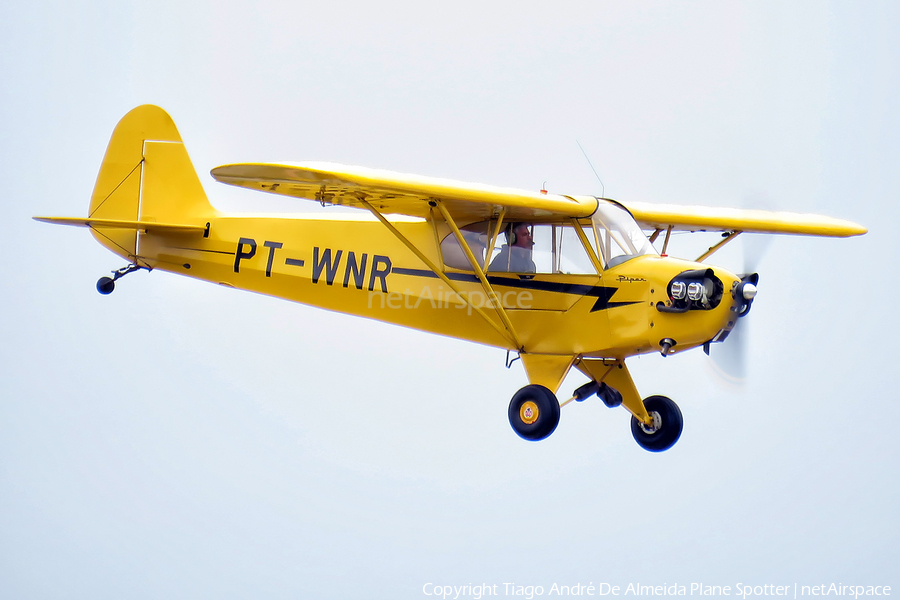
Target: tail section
146	176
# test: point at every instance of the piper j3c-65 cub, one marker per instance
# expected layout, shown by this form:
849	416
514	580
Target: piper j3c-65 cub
564	281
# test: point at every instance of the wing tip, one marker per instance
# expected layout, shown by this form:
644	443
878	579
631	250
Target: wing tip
841	228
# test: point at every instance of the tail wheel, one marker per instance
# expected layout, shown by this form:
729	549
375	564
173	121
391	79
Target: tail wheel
666	427
106	285
534	412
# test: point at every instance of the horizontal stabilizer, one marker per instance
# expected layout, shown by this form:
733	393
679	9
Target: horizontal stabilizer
145	226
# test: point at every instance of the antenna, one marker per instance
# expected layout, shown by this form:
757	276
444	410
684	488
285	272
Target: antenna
602	187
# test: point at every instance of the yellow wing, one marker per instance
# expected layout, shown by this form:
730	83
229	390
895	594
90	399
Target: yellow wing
399	193
705	218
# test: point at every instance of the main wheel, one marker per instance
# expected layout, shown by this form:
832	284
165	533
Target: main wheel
666	428
106	285
534	412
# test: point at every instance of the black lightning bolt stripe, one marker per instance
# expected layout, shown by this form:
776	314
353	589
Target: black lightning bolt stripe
601	293
202	250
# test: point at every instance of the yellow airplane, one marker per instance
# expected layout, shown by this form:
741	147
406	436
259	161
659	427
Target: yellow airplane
562	281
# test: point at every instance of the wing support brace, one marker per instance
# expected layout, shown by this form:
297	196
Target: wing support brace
505	334
493	241
666	241
728	237
493	297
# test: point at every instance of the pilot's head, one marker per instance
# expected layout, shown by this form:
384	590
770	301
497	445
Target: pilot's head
519	235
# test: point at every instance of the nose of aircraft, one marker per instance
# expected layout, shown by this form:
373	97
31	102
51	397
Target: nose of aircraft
729	359
702	306
700	289
745	292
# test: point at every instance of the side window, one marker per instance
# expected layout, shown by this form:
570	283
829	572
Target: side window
476	236
572	257
522	248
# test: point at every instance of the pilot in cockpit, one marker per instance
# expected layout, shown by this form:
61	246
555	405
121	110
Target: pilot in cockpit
516	255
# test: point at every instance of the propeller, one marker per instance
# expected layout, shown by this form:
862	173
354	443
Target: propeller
729	359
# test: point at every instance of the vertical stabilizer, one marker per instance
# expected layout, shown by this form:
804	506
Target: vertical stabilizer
146	175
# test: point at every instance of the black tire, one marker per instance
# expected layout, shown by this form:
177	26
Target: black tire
106	285
669	427
538	403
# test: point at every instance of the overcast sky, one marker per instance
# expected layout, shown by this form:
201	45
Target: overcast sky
181	440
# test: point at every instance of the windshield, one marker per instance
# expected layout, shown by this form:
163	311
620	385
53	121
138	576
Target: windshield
619	237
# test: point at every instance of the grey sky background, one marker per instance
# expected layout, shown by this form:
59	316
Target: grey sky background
182	440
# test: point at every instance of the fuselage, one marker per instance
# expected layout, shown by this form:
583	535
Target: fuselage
354	265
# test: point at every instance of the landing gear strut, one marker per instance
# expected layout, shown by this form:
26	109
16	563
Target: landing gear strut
534	412
656	421
106	285
611	397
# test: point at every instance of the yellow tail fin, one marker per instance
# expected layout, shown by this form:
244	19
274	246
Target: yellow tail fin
146	175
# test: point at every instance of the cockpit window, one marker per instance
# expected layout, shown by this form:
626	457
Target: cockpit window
551	248
619	237
476	236
521	248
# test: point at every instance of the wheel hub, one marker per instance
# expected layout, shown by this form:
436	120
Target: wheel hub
529	412
657	423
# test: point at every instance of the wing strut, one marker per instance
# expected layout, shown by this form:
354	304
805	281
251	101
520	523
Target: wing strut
493	297
493	241
728	237
666	241
439	273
